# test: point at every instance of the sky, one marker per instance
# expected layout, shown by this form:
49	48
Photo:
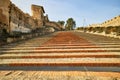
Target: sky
84	12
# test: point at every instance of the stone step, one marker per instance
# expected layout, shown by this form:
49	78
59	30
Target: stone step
62	64
59	56
79	47
57	45
76	52
56	51
60	60
77	44
62	50
110	43
60	47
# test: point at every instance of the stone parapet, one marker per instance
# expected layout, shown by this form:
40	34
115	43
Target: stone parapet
112	22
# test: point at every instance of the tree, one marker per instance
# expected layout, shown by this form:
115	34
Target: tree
74	24
70	24
61	23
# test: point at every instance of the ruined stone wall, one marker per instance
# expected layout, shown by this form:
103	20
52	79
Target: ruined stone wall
16	25
4	20
4	13
18	21
14	18
46	19
38	14
30	22
55	25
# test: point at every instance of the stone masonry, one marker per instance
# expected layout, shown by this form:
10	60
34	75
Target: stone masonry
112	22
18	21
14	22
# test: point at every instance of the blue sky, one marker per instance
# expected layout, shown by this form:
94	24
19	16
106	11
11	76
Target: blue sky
93	11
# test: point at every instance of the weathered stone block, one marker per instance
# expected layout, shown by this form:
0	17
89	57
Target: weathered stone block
4	11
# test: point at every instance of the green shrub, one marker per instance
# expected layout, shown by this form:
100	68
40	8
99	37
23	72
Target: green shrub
118	30
90	29
101	29
15	34
108	30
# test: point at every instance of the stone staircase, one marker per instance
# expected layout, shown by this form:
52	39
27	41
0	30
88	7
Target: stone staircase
64	50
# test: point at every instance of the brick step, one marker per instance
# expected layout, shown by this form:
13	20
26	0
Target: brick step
55	51
62	45
68	45
76	48
63	64
60	56
59	47
77	45
63	50
61	60
110	43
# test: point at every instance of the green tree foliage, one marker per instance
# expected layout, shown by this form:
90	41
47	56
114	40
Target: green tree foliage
61	23
80	28
118	30
70	24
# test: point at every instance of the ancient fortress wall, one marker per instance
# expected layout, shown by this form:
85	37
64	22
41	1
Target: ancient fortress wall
112	22
108	28
16	25
4	13
18	21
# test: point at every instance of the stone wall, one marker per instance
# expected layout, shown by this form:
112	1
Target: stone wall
53	24
16	25
108	28
30	22
38	14
113	22
18	20
4	11
46	19
4	20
